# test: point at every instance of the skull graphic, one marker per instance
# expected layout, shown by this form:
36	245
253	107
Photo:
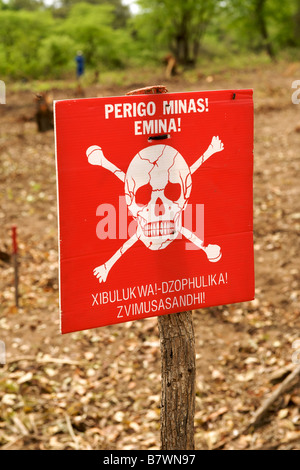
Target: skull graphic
158	184
157	187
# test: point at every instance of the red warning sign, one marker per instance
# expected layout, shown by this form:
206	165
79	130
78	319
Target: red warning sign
155	205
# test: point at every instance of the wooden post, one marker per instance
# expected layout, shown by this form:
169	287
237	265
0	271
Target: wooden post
178	373
44	112
178	366
15	261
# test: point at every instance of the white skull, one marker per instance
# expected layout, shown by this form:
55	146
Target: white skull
158	184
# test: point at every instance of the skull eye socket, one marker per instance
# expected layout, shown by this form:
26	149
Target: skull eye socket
143	195
172	191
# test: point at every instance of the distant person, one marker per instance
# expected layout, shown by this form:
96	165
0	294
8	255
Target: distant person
80	64
171	65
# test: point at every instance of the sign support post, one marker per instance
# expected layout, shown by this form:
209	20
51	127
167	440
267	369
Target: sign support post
178	373
178	368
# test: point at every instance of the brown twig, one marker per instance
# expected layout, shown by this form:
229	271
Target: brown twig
261	412
71	431
46	360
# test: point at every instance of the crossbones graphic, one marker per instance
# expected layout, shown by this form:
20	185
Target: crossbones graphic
158	184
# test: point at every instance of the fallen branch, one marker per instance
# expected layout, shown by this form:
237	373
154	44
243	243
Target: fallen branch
20	426
261	412
280	374
294	438
71	431
47	360
13	442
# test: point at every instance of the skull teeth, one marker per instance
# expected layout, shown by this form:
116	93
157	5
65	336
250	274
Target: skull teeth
157	229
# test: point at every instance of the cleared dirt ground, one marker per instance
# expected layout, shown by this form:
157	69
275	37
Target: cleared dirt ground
100	389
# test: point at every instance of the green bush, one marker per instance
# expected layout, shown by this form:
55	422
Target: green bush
56	55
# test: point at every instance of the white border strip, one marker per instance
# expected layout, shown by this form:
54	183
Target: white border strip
58	215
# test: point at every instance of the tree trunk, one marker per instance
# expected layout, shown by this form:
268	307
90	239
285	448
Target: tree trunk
183	40
178	372
261	22
297	22
44	113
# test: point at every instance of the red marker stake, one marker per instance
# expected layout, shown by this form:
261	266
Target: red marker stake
15	261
